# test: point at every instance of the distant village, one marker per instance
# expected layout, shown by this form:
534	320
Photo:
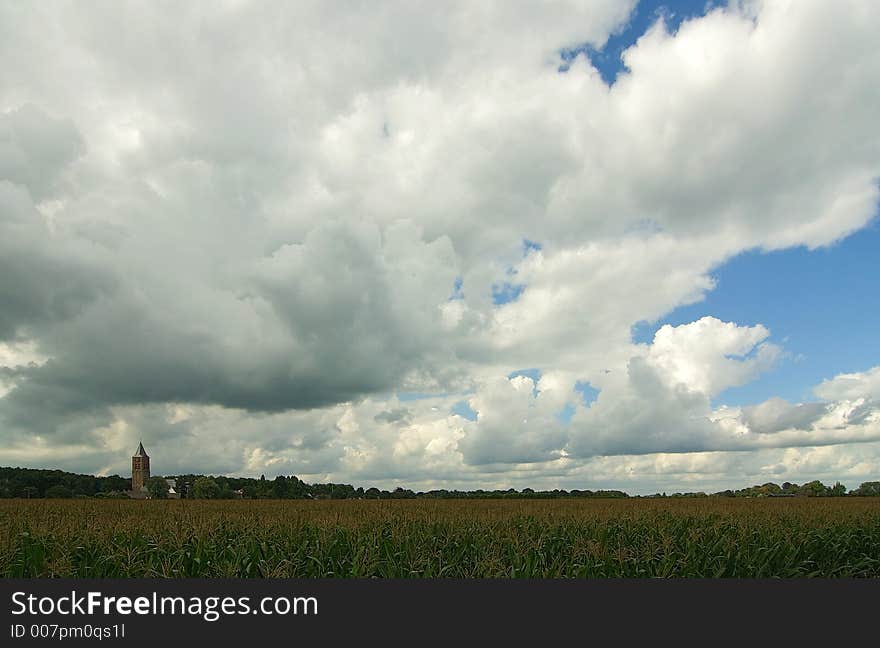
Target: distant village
28	483
142	485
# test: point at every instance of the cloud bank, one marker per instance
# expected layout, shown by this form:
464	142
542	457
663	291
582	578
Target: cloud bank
290	239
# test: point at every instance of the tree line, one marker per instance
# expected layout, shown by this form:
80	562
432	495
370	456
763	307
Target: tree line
39	483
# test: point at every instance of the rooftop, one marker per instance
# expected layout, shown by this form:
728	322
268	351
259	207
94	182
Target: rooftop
141	452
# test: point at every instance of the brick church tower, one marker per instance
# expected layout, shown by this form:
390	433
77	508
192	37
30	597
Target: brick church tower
140	469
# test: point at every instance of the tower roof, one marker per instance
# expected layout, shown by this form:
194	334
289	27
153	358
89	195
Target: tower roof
141	452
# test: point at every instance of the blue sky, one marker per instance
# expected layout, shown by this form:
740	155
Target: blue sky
807	298
607	59
822	306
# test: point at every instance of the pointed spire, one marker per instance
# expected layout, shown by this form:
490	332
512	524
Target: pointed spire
140	451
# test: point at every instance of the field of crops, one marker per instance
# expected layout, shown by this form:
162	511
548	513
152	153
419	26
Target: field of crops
795	537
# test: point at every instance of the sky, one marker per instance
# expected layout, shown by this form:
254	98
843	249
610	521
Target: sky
593	244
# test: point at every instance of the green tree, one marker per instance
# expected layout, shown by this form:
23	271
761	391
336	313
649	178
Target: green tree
59	491
867	489
205	488
157	487
815	488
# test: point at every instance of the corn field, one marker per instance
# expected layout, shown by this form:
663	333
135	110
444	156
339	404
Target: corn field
638	538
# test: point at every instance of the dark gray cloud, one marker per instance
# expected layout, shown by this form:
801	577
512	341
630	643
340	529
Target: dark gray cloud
862	413
35	149
41	284
399	416
776	414
645	414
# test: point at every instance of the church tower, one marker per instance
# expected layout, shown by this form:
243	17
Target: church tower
140	469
